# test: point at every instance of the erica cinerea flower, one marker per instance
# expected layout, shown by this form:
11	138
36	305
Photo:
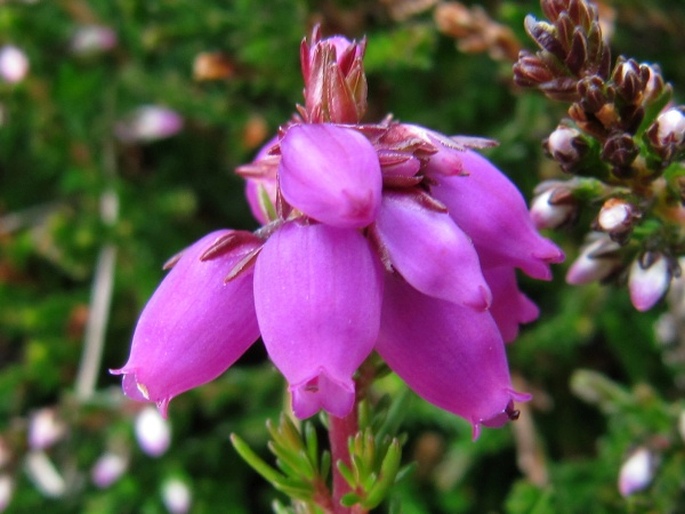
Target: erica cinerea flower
381	237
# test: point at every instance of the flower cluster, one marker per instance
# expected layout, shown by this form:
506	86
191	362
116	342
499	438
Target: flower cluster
385	237
619	142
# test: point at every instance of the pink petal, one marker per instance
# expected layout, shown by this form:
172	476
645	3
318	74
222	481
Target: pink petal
431	252
451	356
318	296
510	307
331	174
193	328
489	208
648	285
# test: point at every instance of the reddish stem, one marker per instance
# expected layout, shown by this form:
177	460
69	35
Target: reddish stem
339	432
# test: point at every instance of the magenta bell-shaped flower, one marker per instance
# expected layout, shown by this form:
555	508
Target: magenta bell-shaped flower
380	237
331	174
450	355
501	228
192	329
318	293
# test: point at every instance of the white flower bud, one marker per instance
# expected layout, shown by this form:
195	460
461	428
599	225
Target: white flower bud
6	491
108	469
45	429
14	65
91	39
648	285
671	127
560	143
44	475
149	123
637	472
547	215
176	496
615	216
594	262
153	432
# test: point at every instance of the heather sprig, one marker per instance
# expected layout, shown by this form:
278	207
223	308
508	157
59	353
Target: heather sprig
620	142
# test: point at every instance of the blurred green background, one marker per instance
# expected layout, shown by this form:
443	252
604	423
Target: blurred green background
230	69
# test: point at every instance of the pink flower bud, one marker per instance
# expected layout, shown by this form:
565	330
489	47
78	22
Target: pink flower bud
636	472
14	65
565	145
108	469
92	39
153	432
149	123
45	429
648	282
176	496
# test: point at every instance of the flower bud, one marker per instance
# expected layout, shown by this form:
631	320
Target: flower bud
620	150
636	472
93	39
654	85
45	429
566	145
14	65
616	217
553	208
667	134
176	496
153	432
648	280
44	475
671	127
596	261
6	491
149	123
108	469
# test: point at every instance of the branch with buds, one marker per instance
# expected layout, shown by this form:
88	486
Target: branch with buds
622	142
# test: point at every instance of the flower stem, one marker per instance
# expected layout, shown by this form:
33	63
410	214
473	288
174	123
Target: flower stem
340	431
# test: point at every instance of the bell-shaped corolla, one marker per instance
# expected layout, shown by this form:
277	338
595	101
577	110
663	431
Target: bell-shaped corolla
428	249
452	356
510	307
489	208
318	293
331	174
193	327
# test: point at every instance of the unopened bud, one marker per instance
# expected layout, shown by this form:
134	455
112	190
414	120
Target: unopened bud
153	432
45	429
14	65
620	150
596	261
149	123
616	217
566	145
671	127
45	475
553	208
93	39
630	80
176	496
108	469
648	280
654	86
636	472
6	491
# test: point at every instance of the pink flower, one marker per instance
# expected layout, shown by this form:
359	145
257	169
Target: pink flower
383	237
